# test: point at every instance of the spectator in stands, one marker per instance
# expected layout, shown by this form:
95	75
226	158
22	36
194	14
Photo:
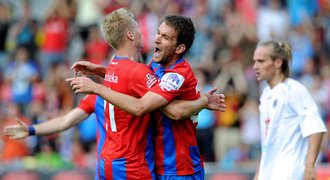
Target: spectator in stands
12	150
21	74
56	36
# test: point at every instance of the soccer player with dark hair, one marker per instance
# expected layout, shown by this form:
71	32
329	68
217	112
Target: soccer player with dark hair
176	152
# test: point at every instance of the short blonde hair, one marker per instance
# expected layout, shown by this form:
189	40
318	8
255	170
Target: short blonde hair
115	26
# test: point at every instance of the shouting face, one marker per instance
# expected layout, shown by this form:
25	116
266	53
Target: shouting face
165	45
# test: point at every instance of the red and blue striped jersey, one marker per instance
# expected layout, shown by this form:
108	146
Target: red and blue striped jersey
128	149
92	103
176	151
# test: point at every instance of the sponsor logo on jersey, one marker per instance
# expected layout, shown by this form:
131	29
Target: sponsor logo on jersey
151	80
171	81
111	77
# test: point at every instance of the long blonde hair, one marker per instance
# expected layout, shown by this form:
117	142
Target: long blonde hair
280	50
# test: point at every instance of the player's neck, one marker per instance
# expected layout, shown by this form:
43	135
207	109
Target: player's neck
129	52
171	61
278	78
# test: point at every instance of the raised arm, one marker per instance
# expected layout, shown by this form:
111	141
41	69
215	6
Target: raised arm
88	68
314	144
58	124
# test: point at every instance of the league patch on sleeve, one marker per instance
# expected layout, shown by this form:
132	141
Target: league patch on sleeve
171	81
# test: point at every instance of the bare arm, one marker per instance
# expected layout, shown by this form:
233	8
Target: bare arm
314	144
182	109
62	123
149	102
137	107
58	124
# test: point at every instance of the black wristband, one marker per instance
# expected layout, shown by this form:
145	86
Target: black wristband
32	131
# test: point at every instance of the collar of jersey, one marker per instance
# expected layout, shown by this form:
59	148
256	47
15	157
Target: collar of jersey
159	70
157	65
120	57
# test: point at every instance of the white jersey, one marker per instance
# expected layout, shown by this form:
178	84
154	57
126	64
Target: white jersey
288	115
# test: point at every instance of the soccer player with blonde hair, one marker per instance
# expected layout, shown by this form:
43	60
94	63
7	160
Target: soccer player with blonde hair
291	127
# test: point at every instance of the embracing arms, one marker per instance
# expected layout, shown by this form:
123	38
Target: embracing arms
178	109
150	101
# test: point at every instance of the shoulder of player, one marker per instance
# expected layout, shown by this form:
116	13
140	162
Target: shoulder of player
294	87
294	91
139	67
89	98
140	71
183	68
183	65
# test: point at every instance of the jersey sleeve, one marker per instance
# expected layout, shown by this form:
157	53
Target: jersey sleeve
310	119
88	103
142	79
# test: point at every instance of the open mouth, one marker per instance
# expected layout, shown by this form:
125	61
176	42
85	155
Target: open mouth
157	51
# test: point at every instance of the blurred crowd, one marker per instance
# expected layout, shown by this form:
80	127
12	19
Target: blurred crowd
40	40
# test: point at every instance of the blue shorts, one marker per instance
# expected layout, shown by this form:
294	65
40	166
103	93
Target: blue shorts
200	175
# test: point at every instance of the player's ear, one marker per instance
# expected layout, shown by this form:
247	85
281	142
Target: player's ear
130	36
180	48
278	62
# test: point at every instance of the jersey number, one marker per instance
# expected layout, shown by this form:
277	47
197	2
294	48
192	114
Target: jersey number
112	117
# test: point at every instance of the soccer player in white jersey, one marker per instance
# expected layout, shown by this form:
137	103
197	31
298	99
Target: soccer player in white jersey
291	127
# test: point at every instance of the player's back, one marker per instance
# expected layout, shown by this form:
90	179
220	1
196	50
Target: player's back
128	150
